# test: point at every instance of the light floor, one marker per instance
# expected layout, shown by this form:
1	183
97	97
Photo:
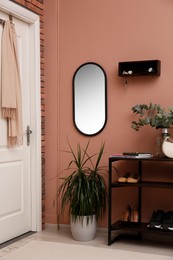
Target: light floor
159	247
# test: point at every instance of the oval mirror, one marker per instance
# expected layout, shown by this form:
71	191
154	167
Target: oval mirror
89	98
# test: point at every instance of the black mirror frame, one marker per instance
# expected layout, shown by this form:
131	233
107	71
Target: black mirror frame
106	112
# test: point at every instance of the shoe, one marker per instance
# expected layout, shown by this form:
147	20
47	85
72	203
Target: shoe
167	223
134	215
156	219
134	178
126	214
124	178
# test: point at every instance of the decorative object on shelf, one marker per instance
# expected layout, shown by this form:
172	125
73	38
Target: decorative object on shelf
167	147
159	142
164	144
152	115
84	191
157	117
133	155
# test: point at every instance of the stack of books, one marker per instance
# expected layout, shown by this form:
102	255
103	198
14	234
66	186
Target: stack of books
133	155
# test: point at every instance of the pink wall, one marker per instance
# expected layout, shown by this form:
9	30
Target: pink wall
105	32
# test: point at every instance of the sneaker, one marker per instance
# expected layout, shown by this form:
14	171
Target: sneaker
167	223
156	219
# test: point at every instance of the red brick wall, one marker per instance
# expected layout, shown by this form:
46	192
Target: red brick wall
37	6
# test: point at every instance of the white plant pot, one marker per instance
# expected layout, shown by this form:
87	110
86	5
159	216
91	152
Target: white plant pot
81	230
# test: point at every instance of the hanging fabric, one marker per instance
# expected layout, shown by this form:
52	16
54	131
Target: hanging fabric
11	100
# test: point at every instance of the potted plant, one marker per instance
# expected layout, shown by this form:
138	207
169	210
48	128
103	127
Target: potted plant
84	191
152	115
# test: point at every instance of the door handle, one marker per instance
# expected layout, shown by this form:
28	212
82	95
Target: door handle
28	132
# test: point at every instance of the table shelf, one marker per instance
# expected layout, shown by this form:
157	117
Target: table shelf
132	227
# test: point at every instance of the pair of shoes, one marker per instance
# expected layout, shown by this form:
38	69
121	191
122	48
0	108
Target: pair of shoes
161	220
130	215
167	223
134	215
126	214
156	219
129	177
124	178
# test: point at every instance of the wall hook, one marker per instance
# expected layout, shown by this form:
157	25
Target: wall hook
125	82
10	17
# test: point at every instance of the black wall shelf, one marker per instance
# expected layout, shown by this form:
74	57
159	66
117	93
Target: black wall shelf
139	68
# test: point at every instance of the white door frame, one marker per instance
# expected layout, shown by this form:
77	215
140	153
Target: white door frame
34	25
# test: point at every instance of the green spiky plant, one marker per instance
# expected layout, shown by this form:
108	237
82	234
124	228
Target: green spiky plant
152	115
84	190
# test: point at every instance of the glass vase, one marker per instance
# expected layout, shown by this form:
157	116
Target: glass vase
159	140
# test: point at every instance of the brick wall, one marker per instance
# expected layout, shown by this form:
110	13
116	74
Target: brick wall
37	6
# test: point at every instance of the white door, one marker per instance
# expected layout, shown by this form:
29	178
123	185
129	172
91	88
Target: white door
16	194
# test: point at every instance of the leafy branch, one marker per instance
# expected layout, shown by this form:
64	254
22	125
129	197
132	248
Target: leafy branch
152	115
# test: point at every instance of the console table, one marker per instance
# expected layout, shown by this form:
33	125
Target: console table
139	227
